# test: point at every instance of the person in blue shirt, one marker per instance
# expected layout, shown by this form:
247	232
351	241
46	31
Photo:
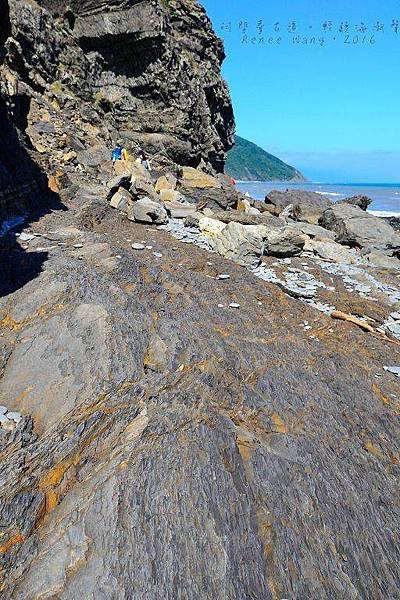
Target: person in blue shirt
119	153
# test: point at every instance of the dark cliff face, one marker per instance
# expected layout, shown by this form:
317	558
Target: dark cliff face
147	72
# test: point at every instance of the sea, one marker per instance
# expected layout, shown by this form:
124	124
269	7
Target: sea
385	196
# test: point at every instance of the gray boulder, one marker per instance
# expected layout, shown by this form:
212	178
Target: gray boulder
180	210
330	250
361	201
243	244
248	219
307	206
383	261
283	242
313	231
146	210
143	188
121	200
357	228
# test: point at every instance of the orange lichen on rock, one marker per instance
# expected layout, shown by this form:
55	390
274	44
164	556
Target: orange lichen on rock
17	538
280	426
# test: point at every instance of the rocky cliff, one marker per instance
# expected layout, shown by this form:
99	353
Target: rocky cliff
175	425
80	74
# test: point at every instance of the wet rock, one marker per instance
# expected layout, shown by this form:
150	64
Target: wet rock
146	210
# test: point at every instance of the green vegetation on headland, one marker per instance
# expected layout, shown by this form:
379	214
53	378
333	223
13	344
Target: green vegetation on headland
247	161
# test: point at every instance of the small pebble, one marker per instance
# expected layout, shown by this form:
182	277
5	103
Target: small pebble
224	276
138	247
14	416
78	246
26	237
157	254
234	305
220	306
394	370
118	256
149	247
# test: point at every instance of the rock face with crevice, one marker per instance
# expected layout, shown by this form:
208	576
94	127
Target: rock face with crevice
147	72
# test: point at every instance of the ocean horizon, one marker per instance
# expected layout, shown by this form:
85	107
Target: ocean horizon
385	196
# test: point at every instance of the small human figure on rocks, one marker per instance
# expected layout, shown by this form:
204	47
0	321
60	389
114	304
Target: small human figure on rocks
143	160
146	162
119	153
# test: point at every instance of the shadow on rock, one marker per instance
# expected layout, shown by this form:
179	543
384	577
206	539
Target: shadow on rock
24	197
17	267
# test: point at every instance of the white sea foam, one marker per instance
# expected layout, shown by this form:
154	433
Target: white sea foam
329	194
384	213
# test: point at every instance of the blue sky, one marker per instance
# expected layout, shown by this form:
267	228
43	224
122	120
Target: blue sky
331	110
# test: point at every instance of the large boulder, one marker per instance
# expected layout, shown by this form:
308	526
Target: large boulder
146	210
307	206
197	179
210	227
121	200
180	210
200	188
361	201
313	231
120	181
330	250
357	228
143	188
166	182
381	260
243	244
283	241
171	196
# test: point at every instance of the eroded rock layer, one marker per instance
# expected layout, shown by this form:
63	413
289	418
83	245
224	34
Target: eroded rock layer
148	72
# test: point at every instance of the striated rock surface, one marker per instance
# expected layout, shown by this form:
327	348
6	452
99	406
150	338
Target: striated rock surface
170	448
172	425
